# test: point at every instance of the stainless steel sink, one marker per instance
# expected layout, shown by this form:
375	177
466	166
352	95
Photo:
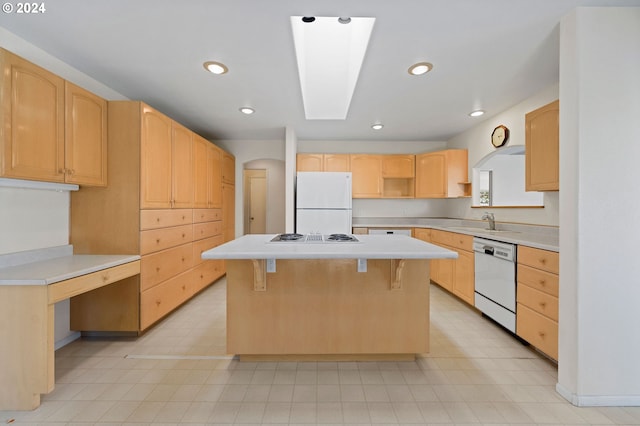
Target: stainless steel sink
480	230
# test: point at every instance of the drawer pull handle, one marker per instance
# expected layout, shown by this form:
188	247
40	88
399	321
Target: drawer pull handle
157	269
105	277
543	282
157	240
183	235
158	220
543	261
543	305
184	287
541	334
183	259
158	302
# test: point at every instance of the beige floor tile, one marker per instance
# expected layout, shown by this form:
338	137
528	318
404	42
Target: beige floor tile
178	373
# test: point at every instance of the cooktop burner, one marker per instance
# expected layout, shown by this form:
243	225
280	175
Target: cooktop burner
289	237
341	237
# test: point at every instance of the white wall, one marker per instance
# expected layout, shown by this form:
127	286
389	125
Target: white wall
245	152
477	141
599	220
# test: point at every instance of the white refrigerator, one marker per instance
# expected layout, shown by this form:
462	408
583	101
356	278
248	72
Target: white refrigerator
323	203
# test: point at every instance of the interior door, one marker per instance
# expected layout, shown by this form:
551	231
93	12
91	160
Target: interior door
255	201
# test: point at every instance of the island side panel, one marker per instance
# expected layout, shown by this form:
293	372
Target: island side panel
325	307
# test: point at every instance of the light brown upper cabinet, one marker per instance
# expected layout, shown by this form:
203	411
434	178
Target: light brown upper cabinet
398	166
200	170
228	168
309	162
181	167
85	149
166	168
155	164
53	131
214	174
442	174
542	148
322	163
366	172
398	171
336	163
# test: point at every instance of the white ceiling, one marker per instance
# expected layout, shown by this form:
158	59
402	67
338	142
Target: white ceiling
487	54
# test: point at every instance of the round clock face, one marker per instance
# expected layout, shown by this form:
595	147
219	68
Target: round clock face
499	136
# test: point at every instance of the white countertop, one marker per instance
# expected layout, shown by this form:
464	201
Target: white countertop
257	246
537	236
49	271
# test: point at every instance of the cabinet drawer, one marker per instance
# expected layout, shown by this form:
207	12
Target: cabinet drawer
204	245
163	218
540	280
538	330
159	239
423	234
541	259
462	241
158	301
206	229
442	237
206	273
540	302
160	266
206	215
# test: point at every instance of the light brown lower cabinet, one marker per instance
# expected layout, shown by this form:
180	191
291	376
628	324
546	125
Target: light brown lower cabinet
457	276
537	294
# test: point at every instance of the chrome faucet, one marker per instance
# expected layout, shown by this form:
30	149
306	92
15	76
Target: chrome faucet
492	220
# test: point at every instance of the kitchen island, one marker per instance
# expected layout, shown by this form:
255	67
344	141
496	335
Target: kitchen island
364	300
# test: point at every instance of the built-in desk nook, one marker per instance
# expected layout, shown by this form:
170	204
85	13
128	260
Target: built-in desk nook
30	284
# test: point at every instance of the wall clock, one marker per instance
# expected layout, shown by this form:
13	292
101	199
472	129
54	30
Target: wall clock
500	136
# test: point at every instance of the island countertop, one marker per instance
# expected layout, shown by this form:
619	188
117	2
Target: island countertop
258	246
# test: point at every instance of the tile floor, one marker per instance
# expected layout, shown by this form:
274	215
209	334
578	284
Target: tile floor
178	373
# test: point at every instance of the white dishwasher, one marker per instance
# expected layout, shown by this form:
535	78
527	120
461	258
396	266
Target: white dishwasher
396	231
495	276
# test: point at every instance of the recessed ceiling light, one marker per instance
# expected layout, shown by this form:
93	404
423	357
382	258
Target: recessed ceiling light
476	113
216	67
377	126
344	19
247	110
420	68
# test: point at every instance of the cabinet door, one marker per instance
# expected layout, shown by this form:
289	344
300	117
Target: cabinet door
309	162
366	180
85	137
228	168
200	177
155	167
336	163
431	179
228	211
464	279
214	179
32	117
398	166
442	272
542	152
181	171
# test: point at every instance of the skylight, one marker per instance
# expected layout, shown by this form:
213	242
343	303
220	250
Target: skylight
330	51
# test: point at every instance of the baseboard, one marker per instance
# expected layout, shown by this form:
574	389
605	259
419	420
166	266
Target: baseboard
598	400
63	342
